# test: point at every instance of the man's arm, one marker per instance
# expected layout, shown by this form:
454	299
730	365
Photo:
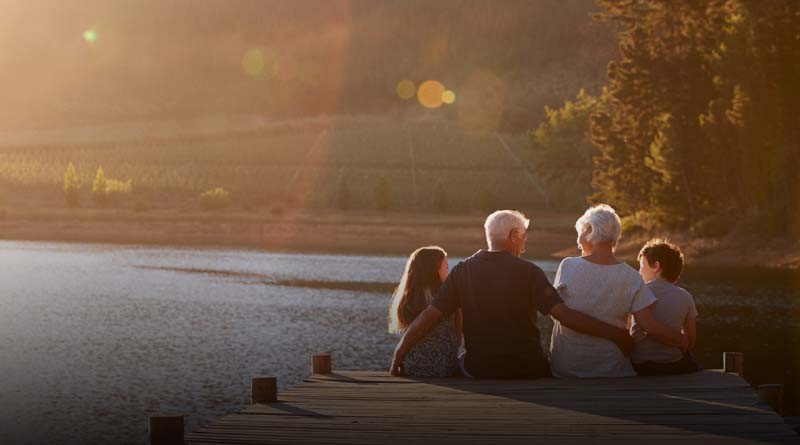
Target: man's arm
591	326
459	327
416	332
660	332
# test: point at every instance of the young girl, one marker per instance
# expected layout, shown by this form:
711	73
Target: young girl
437	354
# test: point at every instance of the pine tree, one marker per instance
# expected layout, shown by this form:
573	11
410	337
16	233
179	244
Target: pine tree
72	186
99	188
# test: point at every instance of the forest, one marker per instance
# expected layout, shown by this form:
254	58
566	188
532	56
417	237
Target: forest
699	124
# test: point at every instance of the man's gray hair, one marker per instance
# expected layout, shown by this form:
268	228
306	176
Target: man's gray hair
605	224
499	225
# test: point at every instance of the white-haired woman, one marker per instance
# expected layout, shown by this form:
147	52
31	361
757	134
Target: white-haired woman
600	285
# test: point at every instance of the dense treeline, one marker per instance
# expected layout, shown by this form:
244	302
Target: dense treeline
100	61
699	125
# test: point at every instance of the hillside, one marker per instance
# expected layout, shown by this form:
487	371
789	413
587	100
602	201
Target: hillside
430	164
87	62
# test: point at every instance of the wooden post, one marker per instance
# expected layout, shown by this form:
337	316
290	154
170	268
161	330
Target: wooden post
166	430
771	395
321	364
263	390
733	362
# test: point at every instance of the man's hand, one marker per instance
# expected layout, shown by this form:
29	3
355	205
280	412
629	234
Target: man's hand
591	326
421	325
625	343
394	369
660	332
684	342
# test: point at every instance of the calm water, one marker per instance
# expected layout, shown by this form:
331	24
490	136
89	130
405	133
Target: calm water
94	338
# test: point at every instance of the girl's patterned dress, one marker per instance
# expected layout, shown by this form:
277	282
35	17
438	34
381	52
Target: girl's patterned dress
436	355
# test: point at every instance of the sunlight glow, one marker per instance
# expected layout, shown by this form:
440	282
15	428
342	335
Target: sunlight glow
260	63
448	97
430	93
406	89
253	62
90	35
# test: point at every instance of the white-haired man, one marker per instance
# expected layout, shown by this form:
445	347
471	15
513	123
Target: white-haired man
498	294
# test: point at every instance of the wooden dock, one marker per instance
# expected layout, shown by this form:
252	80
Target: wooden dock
357	407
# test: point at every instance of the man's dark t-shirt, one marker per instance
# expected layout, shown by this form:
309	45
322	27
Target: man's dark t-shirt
499	295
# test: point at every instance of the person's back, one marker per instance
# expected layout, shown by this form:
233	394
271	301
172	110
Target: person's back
499	294
436	355
660	265
673	305
608	293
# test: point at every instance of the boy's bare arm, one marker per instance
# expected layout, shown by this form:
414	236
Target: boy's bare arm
660	332
690	329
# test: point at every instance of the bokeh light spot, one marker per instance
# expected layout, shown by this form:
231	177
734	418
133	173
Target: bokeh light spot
406	89
448	97
430	93
253	62
90	35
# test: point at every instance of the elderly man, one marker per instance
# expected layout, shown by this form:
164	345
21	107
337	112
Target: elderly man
498	293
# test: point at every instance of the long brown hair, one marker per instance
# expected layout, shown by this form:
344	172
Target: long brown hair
419	283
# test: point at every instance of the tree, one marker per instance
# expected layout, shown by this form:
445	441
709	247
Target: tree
215	199
100	188
72	185
562	143
383	194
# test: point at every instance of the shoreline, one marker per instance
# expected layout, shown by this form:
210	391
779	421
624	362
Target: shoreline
551	237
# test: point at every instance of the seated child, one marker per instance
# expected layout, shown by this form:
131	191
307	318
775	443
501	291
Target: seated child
436	355
661	264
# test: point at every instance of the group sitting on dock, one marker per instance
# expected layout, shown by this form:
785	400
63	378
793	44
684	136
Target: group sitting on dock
609	320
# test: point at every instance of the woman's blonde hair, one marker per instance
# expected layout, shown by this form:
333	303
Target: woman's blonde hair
420	282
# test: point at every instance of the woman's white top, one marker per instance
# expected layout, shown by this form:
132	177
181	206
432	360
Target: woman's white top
608	293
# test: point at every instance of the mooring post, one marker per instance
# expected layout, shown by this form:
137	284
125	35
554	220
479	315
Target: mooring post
733	362
166	430
771	395
263	390
321	364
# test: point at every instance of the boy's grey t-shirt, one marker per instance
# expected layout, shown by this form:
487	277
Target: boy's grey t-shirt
672	307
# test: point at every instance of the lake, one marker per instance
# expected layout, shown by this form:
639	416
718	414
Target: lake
94	338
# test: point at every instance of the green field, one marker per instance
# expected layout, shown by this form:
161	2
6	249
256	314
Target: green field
263	164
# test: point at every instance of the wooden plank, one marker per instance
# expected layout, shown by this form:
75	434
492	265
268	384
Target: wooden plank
373	407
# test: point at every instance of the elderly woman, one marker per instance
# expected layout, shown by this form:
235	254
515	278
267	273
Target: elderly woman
600	285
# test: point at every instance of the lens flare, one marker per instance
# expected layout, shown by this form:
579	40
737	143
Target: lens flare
90	36
253	62
260	63
430	93
406	89
448	97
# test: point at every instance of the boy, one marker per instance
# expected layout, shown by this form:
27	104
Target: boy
661	264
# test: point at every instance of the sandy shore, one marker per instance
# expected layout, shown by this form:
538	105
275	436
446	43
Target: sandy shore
390	234
551	235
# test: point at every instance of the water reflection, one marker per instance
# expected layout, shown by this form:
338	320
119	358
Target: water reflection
95	337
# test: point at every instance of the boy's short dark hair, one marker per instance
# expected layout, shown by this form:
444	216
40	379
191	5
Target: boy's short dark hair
667	254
